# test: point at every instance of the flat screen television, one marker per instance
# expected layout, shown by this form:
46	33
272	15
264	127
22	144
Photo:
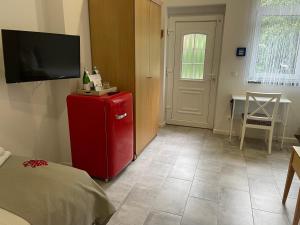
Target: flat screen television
35	56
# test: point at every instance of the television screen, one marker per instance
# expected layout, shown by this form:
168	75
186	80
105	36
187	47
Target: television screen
35	56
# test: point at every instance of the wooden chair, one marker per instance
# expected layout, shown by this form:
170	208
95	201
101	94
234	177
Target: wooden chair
294	166
260	117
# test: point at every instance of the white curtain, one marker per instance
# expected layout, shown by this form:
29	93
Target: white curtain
275	56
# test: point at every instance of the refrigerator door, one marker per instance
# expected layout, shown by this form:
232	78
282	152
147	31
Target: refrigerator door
120	144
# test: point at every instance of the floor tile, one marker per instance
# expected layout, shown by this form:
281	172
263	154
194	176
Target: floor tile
166	157
183	172
173	196
207	176
209	165
200	212
262	186
187	161
290	206
235	200
142	195
234	181
150	181
280	163
258	167
128	176
130	214
294	189
232	170
208	191
263	218
162	218
234	159
227	216
117	192
267	203
158	169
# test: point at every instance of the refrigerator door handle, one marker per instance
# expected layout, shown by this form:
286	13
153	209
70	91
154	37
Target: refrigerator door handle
122	116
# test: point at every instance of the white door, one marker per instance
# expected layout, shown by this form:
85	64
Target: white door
194	74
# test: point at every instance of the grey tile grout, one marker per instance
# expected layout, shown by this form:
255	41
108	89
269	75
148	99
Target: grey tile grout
252	212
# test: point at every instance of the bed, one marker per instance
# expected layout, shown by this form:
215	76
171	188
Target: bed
8	218
51	195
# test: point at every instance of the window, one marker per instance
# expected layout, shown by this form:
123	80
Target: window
193	56
275	56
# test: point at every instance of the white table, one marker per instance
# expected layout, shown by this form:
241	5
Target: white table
238	99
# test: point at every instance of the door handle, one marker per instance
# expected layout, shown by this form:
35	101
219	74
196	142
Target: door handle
121	116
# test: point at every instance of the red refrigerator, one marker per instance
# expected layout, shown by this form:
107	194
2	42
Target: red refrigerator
101	133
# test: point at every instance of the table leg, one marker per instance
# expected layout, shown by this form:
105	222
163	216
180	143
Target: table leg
289	179
297	211
232	118
285	124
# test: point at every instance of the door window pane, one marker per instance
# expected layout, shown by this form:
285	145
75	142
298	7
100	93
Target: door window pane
193	56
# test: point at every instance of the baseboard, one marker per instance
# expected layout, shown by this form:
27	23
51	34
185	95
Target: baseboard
290	140
162	124
223	132
234	134
187	124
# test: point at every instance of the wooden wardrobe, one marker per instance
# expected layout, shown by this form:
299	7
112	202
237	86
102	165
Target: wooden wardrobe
125	43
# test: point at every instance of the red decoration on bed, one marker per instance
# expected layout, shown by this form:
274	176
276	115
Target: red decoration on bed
35	163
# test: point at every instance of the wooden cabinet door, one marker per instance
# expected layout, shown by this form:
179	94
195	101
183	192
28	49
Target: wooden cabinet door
155	65
113	41
142	64
147	28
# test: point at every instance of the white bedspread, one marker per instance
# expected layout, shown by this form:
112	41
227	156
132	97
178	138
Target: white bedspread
7	218
4	155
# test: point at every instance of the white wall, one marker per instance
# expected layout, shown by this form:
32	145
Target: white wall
33	115
76	19
236	33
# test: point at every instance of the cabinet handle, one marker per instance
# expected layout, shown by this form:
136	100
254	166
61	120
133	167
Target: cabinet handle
148	77
122	116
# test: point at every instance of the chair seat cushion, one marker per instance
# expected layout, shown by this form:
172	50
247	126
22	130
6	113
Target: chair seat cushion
258	122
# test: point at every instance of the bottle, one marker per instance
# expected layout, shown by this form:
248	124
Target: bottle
98	85
86	80
95	70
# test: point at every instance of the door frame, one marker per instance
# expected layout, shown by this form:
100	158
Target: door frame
219	19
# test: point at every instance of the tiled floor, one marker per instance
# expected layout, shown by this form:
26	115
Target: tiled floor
189	176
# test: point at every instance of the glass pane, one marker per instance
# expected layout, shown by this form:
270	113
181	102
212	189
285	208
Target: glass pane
193	56
278	45
199	69
279	2
187	71
188	45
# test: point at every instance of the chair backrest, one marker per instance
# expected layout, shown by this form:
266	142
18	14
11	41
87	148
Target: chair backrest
263	103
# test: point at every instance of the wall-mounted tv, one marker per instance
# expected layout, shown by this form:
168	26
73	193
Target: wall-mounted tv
35	56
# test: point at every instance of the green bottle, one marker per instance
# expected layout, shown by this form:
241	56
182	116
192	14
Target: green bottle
86	80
